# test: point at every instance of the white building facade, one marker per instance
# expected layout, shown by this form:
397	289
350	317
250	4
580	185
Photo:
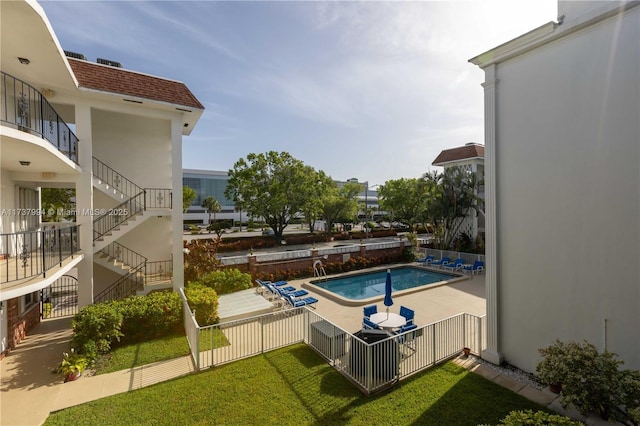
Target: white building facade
115	137
562	141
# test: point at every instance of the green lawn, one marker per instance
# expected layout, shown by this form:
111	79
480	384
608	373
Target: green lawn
160	349
295	386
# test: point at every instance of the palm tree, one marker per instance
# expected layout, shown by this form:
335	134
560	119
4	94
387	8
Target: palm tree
212	205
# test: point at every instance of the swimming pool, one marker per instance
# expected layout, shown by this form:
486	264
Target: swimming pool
370	285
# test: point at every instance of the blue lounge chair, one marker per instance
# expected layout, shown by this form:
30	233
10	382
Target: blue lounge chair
370	310
427	260
367	324
441	262
408	314
276	284
292	291
296	303
477	267
455	266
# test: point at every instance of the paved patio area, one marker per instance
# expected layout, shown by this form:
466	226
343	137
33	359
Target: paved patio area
430	305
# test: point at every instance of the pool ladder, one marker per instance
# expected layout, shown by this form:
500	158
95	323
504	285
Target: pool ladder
318	270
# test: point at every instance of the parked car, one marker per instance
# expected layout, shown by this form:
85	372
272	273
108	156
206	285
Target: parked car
268	232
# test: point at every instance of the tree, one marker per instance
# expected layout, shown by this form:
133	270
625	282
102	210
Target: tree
212	205
340	205
188	195
58	203
274	186
406	198
312	208
456	198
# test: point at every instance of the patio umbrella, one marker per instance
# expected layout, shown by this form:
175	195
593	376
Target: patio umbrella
388	301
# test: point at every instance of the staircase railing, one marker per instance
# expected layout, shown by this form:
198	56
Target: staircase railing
158	198
123	287
26	108
114	179
161	270
113	217
123	254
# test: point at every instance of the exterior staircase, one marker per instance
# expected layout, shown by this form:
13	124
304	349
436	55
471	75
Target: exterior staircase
139	275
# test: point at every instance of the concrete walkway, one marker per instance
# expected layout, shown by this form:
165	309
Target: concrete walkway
29	390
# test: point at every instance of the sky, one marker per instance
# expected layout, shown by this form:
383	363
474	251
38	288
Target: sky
367	90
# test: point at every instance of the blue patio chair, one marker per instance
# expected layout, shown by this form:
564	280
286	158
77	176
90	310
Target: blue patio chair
407	339
477	267
296	302
455	266
427	260
276	284
370	310
441	262
408	314
367	324
290	290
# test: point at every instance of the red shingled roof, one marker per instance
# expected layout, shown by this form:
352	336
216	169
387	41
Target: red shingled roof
460	153
117	80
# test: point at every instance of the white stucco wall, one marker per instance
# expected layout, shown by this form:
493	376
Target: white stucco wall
568	197
137	147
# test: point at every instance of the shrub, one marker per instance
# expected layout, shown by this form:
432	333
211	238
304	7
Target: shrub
591	381
200	258
95	328
147	317
537	418
204	301
226	281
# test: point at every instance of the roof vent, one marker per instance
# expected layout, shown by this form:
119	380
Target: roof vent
109	62
75	55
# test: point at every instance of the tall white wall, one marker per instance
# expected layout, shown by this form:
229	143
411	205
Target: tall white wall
568	193
137	147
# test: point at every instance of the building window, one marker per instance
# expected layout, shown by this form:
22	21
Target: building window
28	300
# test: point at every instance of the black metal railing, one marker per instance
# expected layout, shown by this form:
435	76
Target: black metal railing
26	108
113	217
114	179
158	198
60	299
161	270
124	255
124	287
31	253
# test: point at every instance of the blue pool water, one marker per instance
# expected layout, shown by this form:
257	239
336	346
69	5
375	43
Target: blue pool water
364	286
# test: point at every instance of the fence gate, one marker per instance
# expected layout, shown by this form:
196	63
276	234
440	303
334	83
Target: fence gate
60	299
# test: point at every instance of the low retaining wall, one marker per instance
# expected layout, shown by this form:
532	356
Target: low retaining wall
297	260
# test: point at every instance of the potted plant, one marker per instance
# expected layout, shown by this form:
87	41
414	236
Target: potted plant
554	367
72	366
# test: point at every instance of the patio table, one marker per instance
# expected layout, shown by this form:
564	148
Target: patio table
388	321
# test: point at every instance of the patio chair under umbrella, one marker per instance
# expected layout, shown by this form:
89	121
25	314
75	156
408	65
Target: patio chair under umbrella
388	301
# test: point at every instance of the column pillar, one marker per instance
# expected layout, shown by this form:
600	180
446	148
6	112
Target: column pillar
176	210
492	352
84	204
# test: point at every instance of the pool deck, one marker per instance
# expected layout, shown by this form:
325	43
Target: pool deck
430	304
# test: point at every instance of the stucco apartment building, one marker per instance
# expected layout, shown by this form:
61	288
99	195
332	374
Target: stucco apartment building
562	152
113	135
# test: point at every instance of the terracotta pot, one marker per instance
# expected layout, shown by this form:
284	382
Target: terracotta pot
72	377
555	387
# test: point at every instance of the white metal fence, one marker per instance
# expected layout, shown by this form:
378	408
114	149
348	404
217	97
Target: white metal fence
372	360
453	255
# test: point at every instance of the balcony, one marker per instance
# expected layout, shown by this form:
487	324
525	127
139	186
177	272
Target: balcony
32	253
25	108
